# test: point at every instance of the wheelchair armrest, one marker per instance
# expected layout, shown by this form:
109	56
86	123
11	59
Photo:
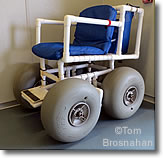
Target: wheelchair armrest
47	21
86	20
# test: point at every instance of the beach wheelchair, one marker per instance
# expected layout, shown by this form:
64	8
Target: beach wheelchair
71	95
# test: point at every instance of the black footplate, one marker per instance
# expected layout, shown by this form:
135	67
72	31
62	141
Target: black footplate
31	95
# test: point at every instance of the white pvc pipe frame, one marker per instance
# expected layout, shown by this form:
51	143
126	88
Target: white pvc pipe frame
73	20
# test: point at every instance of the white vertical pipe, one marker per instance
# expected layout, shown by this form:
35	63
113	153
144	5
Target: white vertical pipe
67	24
61	69
38	40
121	29
42	61
38	31
89	67
139	31
111	62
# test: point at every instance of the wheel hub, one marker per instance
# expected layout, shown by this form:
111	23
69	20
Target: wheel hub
79	114
130	95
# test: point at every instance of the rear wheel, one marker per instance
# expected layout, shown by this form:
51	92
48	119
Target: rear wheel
27	77
123	92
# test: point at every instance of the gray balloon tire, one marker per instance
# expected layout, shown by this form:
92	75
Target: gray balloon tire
115	85
57	104
25	78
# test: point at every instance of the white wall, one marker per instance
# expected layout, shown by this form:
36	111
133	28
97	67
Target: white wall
17	32
14	44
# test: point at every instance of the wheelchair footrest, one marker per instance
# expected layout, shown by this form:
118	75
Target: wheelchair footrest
34	96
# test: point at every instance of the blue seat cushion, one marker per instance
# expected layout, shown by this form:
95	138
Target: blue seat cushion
98	36
54	51
126	35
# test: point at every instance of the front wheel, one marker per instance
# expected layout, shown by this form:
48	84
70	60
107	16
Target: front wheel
70	110
123	92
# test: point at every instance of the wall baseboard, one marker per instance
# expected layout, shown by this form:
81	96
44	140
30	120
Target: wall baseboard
9	104
149	98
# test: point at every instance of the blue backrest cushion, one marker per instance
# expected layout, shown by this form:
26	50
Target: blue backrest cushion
96	35
126	35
